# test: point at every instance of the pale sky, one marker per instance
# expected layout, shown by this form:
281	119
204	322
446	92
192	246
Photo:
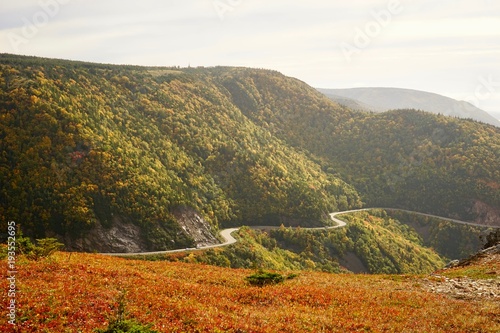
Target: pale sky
450	47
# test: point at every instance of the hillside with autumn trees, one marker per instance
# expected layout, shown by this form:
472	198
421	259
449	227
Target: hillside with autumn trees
374	241
401	158
85	145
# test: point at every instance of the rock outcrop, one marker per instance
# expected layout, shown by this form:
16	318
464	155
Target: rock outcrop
121	237
486	214
195	226
125	237
484	286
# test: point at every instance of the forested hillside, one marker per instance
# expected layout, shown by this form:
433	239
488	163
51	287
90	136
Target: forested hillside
83	144
401	158
88	144
374	241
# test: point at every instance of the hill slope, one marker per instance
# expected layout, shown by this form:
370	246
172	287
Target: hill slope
401	158
90	149
384	99
88	146
82	292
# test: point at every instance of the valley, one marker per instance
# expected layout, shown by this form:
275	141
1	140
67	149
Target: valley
93	150
198	177
228	239
117	159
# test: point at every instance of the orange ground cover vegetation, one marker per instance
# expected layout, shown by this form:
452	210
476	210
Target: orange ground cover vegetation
79	292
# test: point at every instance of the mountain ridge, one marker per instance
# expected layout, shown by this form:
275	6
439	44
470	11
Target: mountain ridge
101	143
381	99
84	143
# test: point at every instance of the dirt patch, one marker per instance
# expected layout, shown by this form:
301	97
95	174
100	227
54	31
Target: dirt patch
485	264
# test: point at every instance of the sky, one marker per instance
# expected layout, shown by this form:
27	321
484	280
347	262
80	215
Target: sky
449	47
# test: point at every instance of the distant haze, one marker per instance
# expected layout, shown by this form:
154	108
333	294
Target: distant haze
450	47
383	99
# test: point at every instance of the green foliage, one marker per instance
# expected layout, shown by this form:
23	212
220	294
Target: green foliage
400	158
84	144
450	240
120	324
391	242
381	243
24	244
263	278
126	326
474	272
44	248
256	249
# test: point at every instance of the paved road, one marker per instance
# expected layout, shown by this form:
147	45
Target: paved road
229	239
332	215
225	233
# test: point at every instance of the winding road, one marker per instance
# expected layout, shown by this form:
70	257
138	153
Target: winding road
229	239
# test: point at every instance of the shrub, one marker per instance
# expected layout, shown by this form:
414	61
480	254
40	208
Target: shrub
262	278
120	324
44	248
126	326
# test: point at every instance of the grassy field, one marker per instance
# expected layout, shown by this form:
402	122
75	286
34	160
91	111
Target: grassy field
80	292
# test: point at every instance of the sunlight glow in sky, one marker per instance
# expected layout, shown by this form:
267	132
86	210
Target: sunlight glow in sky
450	47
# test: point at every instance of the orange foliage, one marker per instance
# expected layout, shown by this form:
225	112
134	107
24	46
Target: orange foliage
78	292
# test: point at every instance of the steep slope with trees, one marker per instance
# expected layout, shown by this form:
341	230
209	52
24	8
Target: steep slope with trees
86	144
401	158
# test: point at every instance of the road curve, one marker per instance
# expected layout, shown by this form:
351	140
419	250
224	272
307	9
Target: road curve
229	239
332	215
225	233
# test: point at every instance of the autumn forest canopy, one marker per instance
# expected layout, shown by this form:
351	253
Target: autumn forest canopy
86	144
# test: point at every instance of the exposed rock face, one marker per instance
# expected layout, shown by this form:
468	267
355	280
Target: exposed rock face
126	237
352	262
194	225
121	237
468	288
486	214
464	288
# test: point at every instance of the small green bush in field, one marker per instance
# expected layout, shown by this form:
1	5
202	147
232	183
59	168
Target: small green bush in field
262	278
120	324
44	248
126	326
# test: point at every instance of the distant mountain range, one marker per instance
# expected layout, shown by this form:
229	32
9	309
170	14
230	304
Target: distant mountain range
384	99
